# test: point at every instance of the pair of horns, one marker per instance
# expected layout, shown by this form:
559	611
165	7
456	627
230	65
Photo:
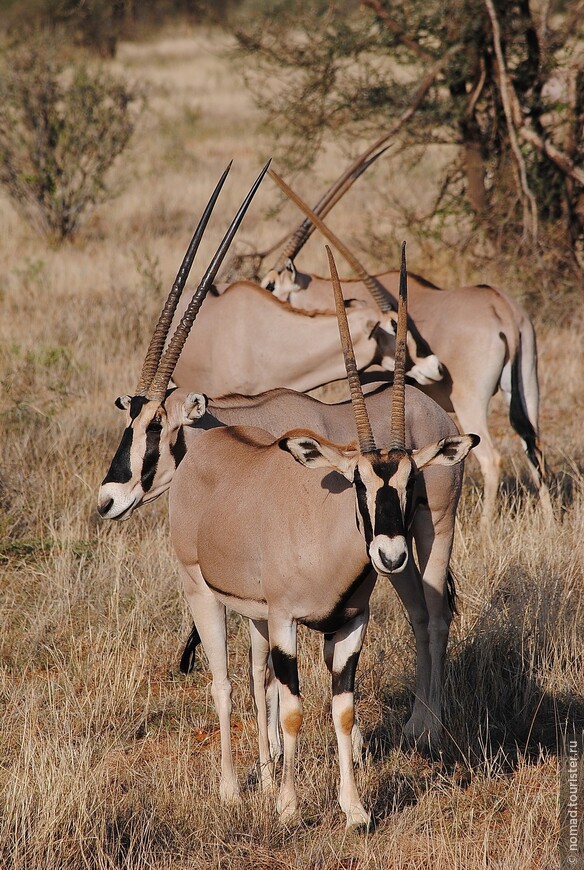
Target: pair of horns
337	190
377	291
158	366
398	414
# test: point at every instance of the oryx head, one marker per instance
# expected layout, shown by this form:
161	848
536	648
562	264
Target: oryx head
153	444
423	365
383	479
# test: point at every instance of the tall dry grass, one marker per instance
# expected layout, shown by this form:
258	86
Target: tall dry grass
109	758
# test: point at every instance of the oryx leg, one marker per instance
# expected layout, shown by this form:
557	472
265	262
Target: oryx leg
409	587
520	390
356	736
260	649
284	658
209	616
434	546
472	417
347	643
273	706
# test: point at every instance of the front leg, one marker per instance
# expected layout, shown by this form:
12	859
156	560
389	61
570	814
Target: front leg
408	585
347	643
434	550
209	616
284	658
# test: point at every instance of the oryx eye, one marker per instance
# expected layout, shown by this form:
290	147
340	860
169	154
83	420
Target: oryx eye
155	425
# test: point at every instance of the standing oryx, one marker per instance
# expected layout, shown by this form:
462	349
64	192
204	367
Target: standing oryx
160	430
483	338
235	476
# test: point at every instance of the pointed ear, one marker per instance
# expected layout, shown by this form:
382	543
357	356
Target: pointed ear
447	451
194	406
269	281
313	452
389	323
123	402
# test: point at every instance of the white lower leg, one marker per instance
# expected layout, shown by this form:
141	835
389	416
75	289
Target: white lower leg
259	657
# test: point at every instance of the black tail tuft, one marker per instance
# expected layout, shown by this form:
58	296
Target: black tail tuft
521	422
187	660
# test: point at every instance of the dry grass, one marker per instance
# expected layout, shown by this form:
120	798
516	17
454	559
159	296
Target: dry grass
109	759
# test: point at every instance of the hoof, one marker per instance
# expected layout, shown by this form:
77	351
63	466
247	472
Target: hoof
357	817
229	793
286	810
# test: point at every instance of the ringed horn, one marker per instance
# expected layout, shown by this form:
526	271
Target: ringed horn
378	292
337	190
364	431
156	347
398	417
166	365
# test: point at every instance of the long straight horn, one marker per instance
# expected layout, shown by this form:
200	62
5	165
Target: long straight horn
378	292
364	431
398	405
158	339
337	190
173	351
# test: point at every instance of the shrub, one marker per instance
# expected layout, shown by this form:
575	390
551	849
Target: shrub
60	131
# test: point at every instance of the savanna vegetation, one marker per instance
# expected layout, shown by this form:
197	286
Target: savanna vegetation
109	757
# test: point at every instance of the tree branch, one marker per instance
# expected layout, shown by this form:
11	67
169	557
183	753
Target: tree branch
506	89
396	28
558	158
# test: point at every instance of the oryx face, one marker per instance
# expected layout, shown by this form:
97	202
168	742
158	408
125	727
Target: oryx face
149	452
383	481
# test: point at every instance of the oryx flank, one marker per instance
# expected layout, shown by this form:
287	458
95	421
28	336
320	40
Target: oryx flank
484	340
253	531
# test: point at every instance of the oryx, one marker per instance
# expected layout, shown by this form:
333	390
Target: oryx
483	338
160	429
194	525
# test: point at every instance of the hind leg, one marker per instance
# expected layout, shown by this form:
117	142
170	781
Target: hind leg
259	649
472	417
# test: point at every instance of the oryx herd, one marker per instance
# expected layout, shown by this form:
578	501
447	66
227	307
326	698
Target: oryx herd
286	509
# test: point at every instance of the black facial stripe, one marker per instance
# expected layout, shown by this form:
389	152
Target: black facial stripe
388	515
179	448
344	681
136	405
120	470
286	669
151	457
361	491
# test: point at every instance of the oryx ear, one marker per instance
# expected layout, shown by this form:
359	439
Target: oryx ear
389	322
313	452
269	280
447	451
194	406
123	402
291	268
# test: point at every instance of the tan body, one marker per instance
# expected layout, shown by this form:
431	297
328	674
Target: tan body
247	341
477	333
281	545
422	586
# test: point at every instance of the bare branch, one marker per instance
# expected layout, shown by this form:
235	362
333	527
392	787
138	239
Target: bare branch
505	89
559	158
